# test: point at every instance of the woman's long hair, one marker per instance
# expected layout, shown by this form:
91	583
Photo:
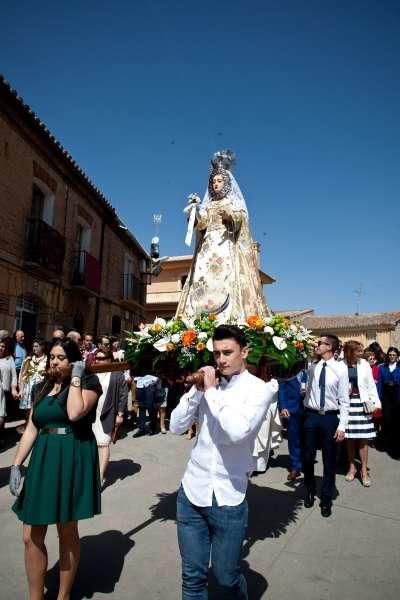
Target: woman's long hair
8	343
73	354
349	350
377	350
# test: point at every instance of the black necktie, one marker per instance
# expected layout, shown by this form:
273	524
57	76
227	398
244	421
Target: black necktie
322	387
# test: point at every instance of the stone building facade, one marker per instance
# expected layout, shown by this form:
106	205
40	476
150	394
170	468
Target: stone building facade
65	256
382	327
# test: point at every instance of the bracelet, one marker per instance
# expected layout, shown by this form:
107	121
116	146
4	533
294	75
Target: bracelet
76	381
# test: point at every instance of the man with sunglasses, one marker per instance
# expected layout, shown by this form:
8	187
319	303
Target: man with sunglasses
326	406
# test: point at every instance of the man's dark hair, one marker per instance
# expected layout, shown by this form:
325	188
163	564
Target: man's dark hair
333	340
225	332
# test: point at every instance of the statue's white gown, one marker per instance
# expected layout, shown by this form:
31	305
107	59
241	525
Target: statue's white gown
224	278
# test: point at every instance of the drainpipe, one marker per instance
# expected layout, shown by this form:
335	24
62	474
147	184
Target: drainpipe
60	281
97	306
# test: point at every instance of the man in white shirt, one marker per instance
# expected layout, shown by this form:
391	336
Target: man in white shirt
325	418
211	506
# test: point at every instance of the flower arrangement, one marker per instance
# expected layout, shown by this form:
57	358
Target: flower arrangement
189	344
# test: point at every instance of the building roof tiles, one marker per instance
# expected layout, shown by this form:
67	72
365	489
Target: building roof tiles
352	321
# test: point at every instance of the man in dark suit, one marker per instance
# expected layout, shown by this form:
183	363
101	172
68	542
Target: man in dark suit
326	407
290	402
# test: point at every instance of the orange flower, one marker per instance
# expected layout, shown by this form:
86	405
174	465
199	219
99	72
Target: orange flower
169	347
299	345
200	346
212	317
188	337
255	322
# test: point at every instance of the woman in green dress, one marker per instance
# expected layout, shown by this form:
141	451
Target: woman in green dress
62	483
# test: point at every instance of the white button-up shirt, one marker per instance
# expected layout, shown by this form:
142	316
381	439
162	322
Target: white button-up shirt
229	416
336	389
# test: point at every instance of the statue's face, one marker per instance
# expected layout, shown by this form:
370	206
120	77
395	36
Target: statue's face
218	183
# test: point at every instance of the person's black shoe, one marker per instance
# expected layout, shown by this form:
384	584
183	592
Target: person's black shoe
326	509
139	433
309	499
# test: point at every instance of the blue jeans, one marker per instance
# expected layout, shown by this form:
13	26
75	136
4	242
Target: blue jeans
218	530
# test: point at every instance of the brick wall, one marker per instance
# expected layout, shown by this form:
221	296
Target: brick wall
26	158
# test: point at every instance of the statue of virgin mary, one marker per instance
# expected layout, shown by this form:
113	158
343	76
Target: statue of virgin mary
224	278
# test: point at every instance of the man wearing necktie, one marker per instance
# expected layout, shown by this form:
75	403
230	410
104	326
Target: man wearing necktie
325	418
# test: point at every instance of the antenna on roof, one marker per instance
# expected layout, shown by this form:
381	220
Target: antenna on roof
359	292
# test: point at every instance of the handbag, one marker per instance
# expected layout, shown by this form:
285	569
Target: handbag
368	407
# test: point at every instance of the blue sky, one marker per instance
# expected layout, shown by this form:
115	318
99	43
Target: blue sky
307	94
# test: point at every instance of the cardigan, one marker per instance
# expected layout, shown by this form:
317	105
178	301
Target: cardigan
8	374
116	401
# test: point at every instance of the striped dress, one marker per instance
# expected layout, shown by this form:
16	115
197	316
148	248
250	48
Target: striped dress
360	425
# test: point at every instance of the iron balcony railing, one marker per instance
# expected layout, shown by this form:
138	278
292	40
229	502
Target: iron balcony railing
133	289
44	246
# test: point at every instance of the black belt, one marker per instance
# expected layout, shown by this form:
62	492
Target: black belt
57	430
322	412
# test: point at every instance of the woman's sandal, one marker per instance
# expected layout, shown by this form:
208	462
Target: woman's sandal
350	476
366	482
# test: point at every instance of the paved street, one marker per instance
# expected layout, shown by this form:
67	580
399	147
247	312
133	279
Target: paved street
130	551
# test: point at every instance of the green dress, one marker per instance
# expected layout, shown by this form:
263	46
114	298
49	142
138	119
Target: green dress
62	482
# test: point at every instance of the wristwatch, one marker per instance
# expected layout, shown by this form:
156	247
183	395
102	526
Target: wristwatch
76	381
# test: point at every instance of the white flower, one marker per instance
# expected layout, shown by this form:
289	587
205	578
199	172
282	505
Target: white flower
210	345
202	335
269	330
161	344
273	385
187	323
142	333
279	342
160	321
175	337
293	327
269	320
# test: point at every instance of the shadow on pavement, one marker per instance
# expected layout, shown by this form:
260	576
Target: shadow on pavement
100	567
120	469
103	555
5	475
11	438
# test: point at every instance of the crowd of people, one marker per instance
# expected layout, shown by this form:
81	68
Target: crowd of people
348	394
72	415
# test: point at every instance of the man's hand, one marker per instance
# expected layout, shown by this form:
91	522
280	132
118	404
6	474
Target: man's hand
14	393
339	435
119	420
285	414
210	379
